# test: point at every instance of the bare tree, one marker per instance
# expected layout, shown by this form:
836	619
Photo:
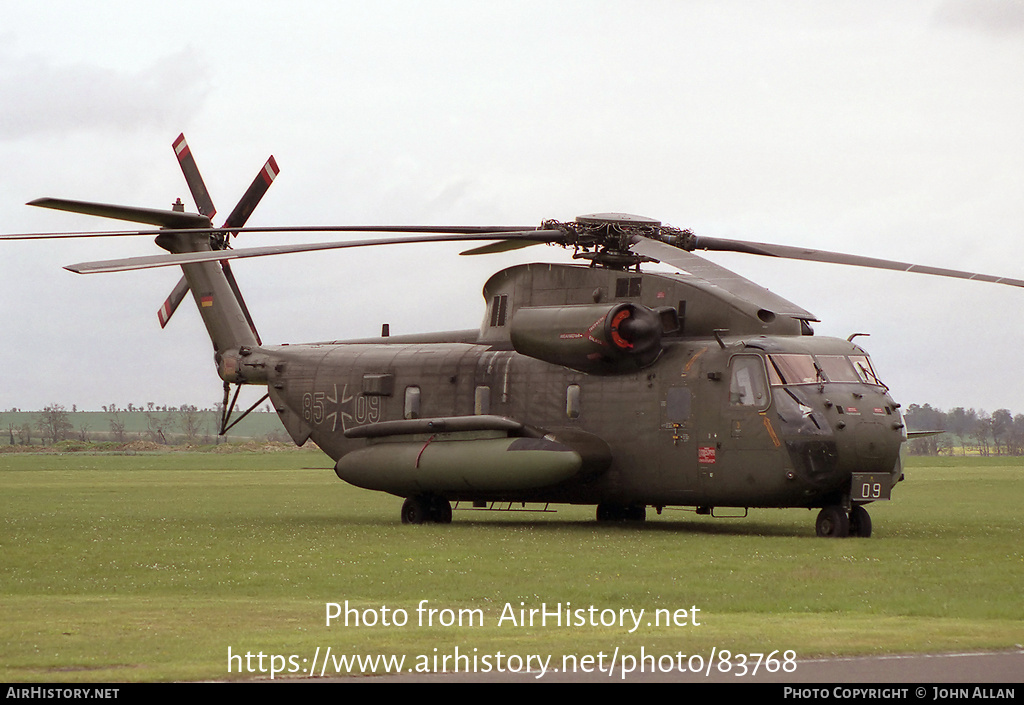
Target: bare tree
190	420
117	426
155	428
54	423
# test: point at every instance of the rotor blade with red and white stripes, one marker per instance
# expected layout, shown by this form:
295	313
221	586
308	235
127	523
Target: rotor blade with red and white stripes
246	205
176	296
251	198
204	203
201	195
193	178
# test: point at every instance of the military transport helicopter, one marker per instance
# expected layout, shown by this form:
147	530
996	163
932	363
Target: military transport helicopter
593	383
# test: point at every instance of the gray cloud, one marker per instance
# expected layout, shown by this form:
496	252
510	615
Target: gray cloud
993	16
42	96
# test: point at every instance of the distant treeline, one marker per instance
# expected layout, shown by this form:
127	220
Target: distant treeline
164	425
966	431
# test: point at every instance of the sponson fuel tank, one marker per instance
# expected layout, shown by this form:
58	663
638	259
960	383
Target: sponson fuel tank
473	454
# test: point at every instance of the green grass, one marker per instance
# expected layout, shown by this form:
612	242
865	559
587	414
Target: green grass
148	567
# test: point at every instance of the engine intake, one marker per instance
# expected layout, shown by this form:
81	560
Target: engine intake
599	338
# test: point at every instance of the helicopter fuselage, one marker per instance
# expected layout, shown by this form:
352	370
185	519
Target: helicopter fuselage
599	384
766	418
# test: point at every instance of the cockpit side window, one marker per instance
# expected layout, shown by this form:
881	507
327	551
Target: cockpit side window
865	371
748	385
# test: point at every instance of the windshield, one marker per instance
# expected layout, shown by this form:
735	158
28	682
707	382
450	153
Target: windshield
793	368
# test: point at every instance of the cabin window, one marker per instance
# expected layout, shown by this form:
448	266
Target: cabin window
748	385
380	385
572	401
499	310
412	402
627	287
482	400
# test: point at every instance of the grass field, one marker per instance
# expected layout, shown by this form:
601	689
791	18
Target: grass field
150	567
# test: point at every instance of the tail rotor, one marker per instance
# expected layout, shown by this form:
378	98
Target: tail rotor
222	240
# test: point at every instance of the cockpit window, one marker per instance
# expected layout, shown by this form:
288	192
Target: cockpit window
747	383
792	369
785	369
838	368
865	371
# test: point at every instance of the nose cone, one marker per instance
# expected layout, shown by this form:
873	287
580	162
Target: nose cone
828	440
876	446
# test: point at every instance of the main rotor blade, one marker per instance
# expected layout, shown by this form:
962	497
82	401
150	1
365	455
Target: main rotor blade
247	204
206	229
149	216
200	194
727	281
501	246
132	263
811	255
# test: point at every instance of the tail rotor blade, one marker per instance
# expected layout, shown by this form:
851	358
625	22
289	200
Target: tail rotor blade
179	292
195	181
201	195
253	194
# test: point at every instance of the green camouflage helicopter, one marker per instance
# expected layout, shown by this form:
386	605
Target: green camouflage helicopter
594	383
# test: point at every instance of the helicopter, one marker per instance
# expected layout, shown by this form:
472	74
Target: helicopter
596	383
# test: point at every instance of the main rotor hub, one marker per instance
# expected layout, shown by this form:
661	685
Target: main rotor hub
606	239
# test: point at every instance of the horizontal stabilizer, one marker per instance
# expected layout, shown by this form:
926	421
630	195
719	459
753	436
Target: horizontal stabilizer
923	434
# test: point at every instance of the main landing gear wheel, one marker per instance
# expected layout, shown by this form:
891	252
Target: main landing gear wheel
860	522
833	522
426	510
619	512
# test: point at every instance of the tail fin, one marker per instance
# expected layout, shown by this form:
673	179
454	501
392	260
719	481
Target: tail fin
220	303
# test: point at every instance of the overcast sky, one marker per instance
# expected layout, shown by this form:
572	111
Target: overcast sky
891	129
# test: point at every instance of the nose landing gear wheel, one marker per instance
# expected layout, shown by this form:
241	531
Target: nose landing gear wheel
860	522
833	522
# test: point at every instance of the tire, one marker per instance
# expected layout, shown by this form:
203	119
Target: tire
619	512
636	512
860	522
832	523
415	510
440	510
